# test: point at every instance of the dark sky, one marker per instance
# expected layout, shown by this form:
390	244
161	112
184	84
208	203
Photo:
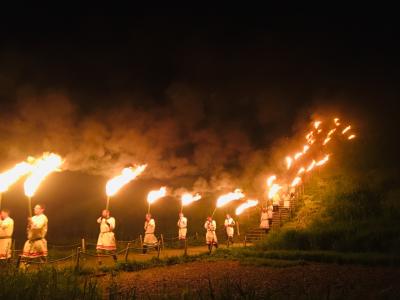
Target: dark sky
204	99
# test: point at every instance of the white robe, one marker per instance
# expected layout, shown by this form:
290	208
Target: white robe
106	240
182	225
270	211
211	236
229	225
264	223
36	245
149	237
6	232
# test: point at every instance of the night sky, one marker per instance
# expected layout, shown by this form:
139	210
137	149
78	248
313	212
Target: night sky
206	100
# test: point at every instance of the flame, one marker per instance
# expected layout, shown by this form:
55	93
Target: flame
305	149
11	176
188	198
309	135
242	207
301	171
296	181
331	132
346	129
322	161
298	155
225	199
153	196
270	180
316	124
127	175
47	164
288	162
273	190
351	137
319	131
311	166
336	120
326	141
311	141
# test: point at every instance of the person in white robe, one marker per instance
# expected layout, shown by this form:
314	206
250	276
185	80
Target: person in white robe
106	243
264	220
182	228
230	228
150	240
6	232
211	237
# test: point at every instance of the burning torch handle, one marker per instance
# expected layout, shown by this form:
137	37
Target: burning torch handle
148	209
108	203
213	212
1	198
30	206
238	227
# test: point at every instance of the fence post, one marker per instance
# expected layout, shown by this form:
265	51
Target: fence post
83	245
162	240
197	236
185	251
141	241
127	251
13	249
158	251
245	241
78	253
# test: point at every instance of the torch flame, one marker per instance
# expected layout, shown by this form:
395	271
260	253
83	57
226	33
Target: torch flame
270	180
47	164
296	181
351	137
319	131
316	124
346	129
326	141
188	198
242	207
322	161
311	166
305	149
153	196
298	155
225	199
273	190
336	120
301	171
127	175
288	162
11	176
331	132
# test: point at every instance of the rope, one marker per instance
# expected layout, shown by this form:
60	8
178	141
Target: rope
52	261
64	246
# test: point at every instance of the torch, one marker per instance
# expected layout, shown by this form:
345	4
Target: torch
188	198
11	176
116	183
242	207
227	198
47	164
153	196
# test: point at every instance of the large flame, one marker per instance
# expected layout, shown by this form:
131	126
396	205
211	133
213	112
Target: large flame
273	190
242	207
188	198
289	161
322	161
296	181
127	175
47	164
225	199
11	176
270	180
153	196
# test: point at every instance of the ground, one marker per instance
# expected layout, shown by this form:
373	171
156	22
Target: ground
206	279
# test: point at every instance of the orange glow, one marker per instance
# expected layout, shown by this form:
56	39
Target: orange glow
288	162
127	175
188	198
298	155
44	166
323	161
336	120
309	135
305	149
326	141
346	129
242	207
331	132
316	124
225	199
351	137
319	130
273	190
153	196
301	171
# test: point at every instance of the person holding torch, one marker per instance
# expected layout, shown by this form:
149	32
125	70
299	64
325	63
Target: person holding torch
150	240
6	232
106	243
182	228
229	227
211	237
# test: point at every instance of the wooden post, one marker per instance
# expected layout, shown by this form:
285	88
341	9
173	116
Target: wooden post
141	241
83	245
185	251
108	203
30	206
13	249
162	241
127	251
197	236
78	253
245	241
238	228
158	251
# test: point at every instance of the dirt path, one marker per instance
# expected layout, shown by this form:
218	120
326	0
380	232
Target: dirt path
231	279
